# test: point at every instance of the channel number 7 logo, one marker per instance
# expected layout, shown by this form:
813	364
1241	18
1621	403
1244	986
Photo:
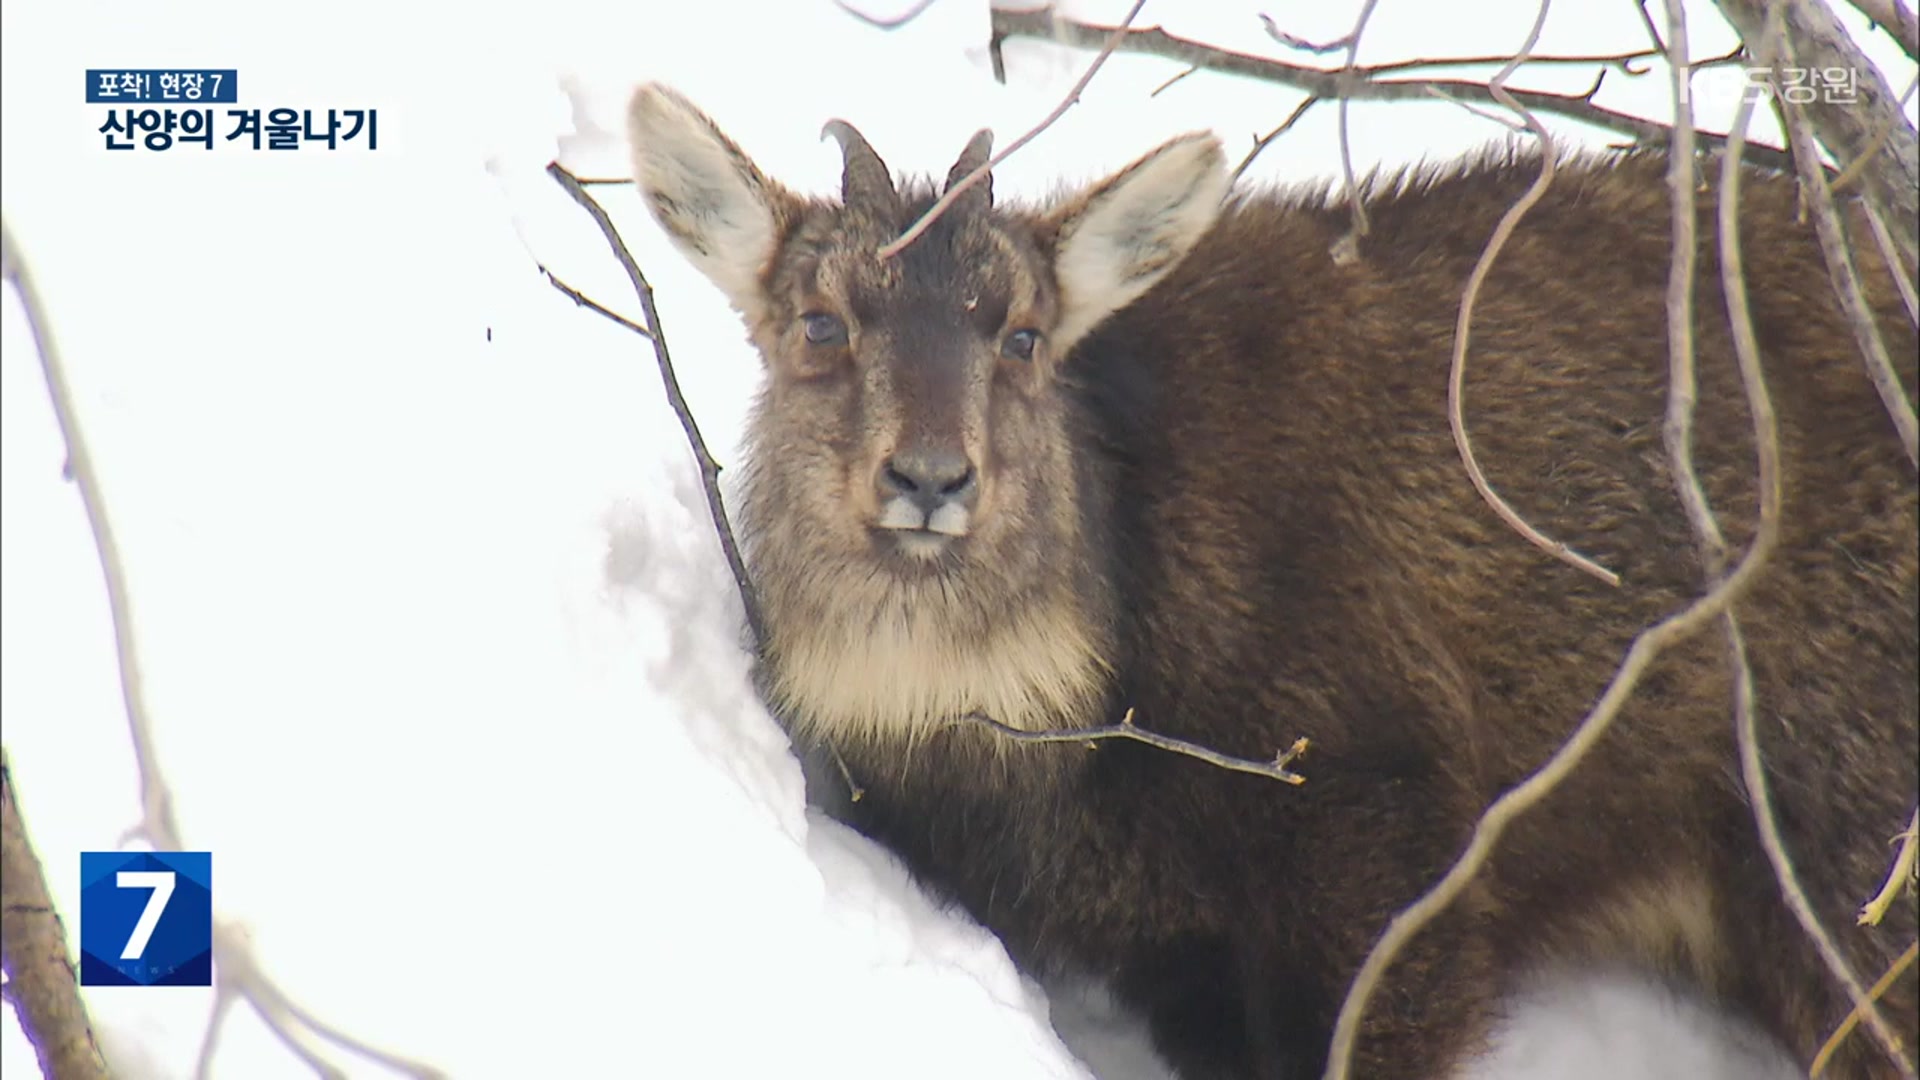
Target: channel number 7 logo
146	918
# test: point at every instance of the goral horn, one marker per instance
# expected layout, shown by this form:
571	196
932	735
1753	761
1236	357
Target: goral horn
979	149
865	180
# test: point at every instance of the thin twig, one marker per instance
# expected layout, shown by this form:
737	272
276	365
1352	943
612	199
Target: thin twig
1874	992
1504	810
1127	729
593	305
1653	29
237	976
854	791
1747	352
1754	773
36	957
1623	62
1294	41
1858	166
1648	645
1463	326
1682	392
1898	878
709	469
1681	395
954	191
1267	140
1346	249
1839	259
1483	113
1176	78
159	825
894	23
1902	276
1046	24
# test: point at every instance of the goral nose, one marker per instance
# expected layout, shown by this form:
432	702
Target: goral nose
929	478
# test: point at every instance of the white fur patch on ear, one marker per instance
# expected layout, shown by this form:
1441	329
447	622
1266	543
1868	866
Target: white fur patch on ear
721	212
1125	233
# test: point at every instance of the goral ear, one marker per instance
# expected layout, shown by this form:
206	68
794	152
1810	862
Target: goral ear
722	212
1115	239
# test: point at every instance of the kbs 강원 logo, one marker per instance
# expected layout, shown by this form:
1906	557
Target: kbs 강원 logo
146	918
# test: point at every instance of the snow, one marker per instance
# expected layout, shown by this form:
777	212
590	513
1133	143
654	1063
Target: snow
442	656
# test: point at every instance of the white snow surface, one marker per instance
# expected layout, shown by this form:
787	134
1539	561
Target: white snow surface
443	658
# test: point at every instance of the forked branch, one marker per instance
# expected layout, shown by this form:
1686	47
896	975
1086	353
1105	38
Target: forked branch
1276	768
236	975
1363	83
709	468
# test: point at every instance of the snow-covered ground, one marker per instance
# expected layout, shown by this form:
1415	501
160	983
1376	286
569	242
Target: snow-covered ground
441	651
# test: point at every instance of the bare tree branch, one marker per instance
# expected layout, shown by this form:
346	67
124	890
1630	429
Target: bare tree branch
1852	173
1347	248
1262	142
1753	772
1176	78
1127	729
1682	391
1717	601
1621	62
1896	19
709	468
1898	878
1847	124
158	824
1493	823
1318	48
1363	84
1839	257
36	957
893	23
1463	326
1902	276
954	191
237	976
595	306
1879	987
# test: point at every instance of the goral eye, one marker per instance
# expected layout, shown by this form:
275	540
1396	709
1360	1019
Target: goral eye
823	329
1020	345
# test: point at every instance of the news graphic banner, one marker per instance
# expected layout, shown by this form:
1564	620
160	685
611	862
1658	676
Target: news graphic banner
146	918
159	109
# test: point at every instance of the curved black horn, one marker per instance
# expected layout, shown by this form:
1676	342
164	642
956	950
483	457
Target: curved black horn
979	149
865	179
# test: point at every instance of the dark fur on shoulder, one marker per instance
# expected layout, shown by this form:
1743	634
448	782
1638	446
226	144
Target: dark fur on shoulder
1142	450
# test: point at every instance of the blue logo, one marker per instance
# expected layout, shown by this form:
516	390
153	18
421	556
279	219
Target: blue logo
146	918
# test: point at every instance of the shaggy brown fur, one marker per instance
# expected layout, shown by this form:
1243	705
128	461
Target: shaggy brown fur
1233	506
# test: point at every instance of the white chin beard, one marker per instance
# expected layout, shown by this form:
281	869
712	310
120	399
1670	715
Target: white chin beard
922	545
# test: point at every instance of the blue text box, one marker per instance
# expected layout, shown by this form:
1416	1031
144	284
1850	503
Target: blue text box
144	86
